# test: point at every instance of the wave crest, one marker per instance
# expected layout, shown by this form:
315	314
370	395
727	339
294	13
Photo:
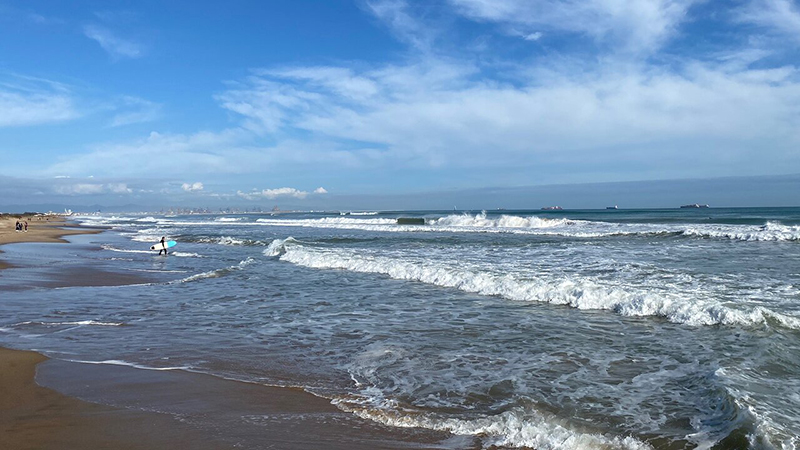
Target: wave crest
575	292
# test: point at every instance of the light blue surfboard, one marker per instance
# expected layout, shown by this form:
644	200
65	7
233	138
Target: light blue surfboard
168	244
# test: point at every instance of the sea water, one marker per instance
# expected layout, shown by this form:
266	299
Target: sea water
625	329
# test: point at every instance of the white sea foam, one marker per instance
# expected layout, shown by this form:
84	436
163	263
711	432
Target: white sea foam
576	292
772	231
122	250
229	219
218	272
513	428
228	240
342	220
186	254
117	362
152	235
504	221
80	322
533	225
173	253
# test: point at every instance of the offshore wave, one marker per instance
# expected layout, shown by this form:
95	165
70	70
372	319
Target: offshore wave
529	225
216	273
481	223
577	293
224	240
504	221
328	221
771	231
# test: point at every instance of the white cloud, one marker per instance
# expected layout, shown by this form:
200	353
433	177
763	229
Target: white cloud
273	193
32	101
118	188
533	36
709	115
199	152
395	13
432	113
130	110
192	187
637	25
92	188
320	190
778	16
115	46
706	117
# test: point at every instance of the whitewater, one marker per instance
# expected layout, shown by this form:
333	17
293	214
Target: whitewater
591	329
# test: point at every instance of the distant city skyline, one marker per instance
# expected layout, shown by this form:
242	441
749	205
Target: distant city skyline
395	104
718	193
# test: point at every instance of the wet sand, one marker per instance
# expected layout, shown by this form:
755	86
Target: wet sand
41	228
34	417
145	409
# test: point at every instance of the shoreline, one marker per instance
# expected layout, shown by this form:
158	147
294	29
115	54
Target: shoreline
41	228
56	404
36	417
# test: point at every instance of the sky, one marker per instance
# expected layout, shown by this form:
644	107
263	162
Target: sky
337	103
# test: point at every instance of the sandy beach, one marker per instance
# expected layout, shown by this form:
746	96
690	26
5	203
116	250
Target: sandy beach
41	228
190	406
34	417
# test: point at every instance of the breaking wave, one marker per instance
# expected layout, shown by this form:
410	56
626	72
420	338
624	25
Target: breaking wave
517	427
533	225
225	240
578	293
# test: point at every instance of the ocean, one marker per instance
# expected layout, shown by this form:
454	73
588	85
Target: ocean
606	329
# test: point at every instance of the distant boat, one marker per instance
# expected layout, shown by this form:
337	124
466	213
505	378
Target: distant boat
552	208
612	207
694	206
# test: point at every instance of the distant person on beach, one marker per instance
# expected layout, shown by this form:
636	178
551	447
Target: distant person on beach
17	226
26	226
163	246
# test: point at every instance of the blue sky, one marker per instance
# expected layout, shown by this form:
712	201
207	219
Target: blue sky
306	102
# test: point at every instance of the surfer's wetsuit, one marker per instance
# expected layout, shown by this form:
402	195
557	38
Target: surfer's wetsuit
163	247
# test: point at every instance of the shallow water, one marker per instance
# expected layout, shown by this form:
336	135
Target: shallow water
580	329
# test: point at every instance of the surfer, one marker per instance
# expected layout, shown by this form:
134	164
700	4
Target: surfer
163	246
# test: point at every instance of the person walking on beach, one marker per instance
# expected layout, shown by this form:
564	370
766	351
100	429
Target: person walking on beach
26	226
163	246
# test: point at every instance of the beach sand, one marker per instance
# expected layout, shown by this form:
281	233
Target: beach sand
41	228
34	417
37	417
